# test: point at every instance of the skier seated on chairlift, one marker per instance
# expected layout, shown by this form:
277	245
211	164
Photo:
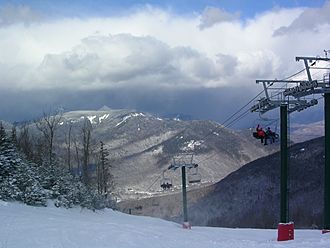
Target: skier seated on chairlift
270	135
264	136
260	134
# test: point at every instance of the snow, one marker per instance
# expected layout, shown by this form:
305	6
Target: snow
91	119
39	227
158	150
103	117
123	120
192	144
129	116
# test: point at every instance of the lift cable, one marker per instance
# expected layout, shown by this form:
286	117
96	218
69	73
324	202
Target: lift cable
155	180
231	122
238	118
246	112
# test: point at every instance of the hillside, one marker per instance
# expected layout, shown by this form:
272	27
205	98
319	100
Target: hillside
249	197
304	132
23	226
141	146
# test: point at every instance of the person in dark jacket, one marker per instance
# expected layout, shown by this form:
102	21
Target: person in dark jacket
270	135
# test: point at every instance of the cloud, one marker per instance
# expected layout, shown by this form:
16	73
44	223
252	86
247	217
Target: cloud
213	15
150	48
150	51
125	60
11	14
310	19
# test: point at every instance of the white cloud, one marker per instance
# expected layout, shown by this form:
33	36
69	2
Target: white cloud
310	19
124	60
153	48
212	16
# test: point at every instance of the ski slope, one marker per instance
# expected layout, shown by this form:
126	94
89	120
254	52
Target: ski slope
39	227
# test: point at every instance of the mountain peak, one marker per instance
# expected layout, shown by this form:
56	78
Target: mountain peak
105	108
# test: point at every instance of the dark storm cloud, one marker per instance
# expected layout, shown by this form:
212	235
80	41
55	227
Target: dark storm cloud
211	104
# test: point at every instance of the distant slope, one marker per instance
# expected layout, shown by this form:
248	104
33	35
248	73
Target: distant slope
249	197
141	146
303	132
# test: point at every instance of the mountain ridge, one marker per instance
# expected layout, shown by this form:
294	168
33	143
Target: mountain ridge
141	147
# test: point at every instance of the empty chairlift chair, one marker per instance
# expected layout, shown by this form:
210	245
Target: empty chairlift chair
193	175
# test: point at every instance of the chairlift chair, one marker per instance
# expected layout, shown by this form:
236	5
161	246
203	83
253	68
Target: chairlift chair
166	183
265	123
193	175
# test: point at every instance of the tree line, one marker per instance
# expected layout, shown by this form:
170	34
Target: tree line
62	167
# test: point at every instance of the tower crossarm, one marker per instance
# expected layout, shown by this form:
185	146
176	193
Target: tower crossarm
301	105
266	105
310	60
304	86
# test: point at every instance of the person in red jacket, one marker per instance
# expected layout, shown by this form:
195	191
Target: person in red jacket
261	134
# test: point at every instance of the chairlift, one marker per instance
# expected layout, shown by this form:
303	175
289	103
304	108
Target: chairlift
267	132
166	183
193	175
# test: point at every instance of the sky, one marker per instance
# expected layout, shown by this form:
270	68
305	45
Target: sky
198	58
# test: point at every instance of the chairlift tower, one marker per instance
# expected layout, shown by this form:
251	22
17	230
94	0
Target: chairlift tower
288	105
183	161
318	87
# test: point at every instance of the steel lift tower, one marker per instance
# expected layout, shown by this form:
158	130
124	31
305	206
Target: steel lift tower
183	161
310	88
289	101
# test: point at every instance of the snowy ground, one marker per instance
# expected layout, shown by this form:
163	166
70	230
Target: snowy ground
38	227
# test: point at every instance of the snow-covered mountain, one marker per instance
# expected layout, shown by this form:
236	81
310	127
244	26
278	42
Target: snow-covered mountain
25	226
142	146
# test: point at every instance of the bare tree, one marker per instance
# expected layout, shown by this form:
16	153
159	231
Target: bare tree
39	150
86	133
24	142
68	145
104	176
14	135
48	126
77	156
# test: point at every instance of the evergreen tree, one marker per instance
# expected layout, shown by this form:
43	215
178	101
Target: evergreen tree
18	180
33	184
2	133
